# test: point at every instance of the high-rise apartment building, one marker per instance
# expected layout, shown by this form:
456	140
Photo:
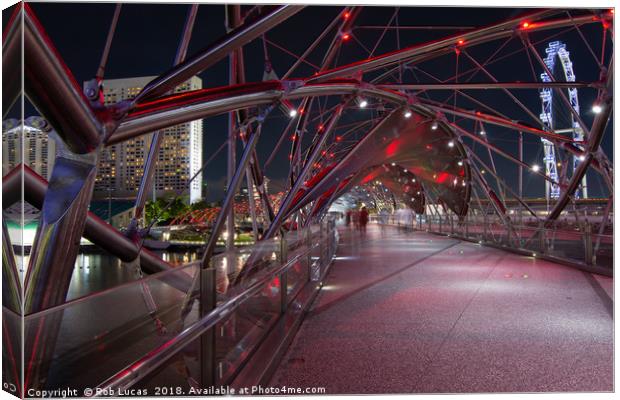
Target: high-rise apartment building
121	166
38	151
34	147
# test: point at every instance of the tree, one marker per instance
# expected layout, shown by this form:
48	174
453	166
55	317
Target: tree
164	210
199	205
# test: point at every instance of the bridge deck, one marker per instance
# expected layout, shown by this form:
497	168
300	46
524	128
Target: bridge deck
414	312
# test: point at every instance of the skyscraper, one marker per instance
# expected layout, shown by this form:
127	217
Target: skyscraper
36	148
39	150
121	166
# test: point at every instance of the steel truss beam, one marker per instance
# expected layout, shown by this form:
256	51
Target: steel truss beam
158	137
594	139
445	46
231	190
463	132
190	106
490	85
473	155
498	121
303	175
220	49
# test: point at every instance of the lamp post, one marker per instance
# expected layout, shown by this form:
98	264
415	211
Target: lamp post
110	205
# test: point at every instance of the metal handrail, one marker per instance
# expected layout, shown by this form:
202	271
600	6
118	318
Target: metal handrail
539	234
168	276
155	358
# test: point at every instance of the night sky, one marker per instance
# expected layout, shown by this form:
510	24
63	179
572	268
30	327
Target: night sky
147	36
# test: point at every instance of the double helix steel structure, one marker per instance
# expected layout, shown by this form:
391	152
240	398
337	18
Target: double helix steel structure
360	107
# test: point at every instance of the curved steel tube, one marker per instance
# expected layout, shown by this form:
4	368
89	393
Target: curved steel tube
198	63
445	46
11	59
189	106
300	181
494	120
594	141
52	89
96	230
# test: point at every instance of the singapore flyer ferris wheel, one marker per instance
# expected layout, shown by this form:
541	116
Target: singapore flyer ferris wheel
557	51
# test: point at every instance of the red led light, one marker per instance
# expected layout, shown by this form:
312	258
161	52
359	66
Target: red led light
293	137
526	25
338	138
442	177
346	15
346	37
461	42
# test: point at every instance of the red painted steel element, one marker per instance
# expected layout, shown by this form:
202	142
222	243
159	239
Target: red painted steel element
405	142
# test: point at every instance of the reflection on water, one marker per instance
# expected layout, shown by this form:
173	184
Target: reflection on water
97	271
94	272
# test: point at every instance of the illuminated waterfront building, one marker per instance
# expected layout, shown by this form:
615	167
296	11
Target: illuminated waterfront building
38	150
121	166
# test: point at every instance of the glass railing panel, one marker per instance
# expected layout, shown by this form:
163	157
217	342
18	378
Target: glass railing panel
96	270
82	343
477	230
236	337
530	238
569	244
239	333
88	340
297	275
315	270
603	250
239	267
178	376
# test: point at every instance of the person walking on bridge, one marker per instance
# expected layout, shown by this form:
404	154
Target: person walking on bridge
363	219
383	220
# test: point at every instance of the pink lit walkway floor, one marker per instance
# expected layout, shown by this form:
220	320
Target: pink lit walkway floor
419	313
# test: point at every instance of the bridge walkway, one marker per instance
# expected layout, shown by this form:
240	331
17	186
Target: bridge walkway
412	312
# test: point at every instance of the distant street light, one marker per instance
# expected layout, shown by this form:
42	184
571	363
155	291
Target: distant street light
596	109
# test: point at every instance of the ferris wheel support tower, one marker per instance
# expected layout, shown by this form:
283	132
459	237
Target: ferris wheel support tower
557	50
